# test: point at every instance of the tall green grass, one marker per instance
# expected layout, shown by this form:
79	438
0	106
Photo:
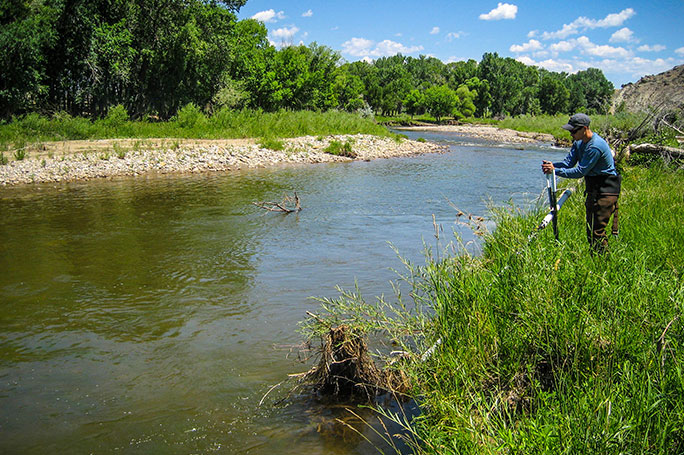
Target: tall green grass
544	347
190	122
548	349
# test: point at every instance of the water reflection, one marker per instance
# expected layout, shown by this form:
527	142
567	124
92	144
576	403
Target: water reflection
141	314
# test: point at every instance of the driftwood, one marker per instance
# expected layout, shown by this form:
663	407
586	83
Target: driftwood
293	202
653	149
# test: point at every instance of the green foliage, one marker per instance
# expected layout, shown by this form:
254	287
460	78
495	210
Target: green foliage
119	151
466	106
341	149
20	154
3	159
440	101
189	116
272	144
82	59
543	347
414	103
553	95
191	123
116	117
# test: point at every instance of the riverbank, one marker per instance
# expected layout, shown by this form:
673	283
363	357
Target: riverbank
85	160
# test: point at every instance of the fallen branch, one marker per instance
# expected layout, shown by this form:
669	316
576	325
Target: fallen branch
281	206
653	149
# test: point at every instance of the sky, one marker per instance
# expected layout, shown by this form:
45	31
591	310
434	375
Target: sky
626	40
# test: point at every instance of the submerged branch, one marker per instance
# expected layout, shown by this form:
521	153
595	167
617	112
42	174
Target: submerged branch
283	205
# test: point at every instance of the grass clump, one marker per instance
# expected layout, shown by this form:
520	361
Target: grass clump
272	143
3	159
20	154
341	149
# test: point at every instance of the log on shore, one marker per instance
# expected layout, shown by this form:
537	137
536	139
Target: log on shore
653	149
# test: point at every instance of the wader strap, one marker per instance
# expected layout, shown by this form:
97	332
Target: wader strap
615	220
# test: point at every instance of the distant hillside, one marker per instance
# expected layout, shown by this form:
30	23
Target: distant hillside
662	91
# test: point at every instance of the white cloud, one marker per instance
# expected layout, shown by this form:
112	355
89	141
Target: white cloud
532	33
364	47
563	46
357	46
624	35
283	36
549	64
387	48
502	11
612	20
606	51
567	30
307	13
588	48
531	45
635	67
269	16
654	48
680	51
454	35
584	23
434	31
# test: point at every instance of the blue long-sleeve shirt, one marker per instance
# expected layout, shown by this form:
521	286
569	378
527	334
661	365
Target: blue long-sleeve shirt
587	159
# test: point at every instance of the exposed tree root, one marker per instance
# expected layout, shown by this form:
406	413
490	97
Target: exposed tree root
346	370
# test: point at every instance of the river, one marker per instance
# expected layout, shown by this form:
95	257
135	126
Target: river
151	314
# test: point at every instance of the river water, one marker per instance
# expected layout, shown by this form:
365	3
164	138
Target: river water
152	314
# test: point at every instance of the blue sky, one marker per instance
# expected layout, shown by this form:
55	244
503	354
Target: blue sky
627	40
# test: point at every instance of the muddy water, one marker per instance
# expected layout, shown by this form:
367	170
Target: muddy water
151	315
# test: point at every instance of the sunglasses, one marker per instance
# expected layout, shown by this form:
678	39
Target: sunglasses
576	130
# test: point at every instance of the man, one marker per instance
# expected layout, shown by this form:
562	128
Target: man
590	157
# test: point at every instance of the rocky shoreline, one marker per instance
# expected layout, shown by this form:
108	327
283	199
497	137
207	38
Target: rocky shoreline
488	132
86	160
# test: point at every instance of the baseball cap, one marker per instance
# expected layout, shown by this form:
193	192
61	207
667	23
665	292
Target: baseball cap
576	121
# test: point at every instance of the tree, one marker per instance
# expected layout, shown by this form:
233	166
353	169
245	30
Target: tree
26	35
590	91
348	89
465	106
426	71
483	97
553	95
440	101
459	72
414	103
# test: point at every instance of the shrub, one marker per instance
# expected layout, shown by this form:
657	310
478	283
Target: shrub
340	149
116	116
3	159
271	144
189	116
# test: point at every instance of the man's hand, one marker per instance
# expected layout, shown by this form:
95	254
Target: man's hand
547	167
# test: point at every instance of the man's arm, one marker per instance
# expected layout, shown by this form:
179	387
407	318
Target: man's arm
588	161
569	160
